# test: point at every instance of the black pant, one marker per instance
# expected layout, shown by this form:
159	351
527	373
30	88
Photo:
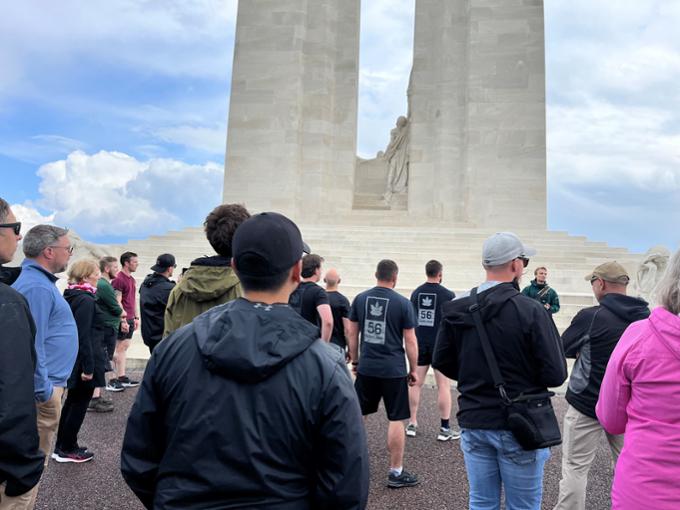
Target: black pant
73	415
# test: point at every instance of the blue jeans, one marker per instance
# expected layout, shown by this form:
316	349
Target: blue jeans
492	458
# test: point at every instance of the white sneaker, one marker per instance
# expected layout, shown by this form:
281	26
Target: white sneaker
411	430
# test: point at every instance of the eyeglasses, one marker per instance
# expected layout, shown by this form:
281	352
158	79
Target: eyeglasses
14	226
67	248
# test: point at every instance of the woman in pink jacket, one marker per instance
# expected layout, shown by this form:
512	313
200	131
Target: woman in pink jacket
640	396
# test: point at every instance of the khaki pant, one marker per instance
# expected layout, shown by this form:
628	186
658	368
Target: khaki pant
22	502
48	422
581	439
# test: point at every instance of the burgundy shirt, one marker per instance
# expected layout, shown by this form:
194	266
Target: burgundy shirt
126	285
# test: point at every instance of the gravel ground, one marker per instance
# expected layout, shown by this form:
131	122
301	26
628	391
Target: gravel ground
98	484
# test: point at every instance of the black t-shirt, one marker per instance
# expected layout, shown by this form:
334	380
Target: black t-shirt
340	309
306	298
427	303
383	315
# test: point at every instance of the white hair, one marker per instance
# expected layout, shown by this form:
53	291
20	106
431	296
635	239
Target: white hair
668	289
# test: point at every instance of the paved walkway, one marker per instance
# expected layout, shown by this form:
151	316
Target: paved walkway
99	485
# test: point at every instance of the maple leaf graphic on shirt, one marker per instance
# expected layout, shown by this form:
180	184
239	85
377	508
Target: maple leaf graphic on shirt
427	301
376	310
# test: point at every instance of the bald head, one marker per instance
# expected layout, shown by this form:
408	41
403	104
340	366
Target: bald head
332	279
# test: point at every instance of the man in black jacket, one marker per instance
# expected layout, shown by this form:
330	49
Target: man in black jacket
153	298
591	339
527	347
21	461
246	407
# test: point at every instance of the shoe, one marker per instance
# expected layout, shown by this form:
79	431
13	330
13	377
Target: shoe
127	382
114	385
79	455
411	430
405	479
447	434
100	406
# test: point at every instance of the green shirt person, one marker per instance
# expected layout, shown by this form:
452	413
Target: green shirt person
541	291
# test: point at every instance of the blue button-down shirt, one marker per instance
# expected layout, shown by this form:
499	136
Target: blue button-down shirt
56	337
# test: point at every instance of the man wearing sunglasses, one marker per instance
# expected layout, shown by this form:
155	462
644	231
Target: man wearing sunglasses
21	462
48	249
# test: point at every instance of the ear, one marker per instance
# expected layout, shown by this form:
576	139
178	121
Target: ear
296	272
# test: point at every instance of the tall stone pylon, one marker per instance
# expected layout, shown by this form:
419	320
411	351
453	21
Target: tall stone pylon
477	104
291	143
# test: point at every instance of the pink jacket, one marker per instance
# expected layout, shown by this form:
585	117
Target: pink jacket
640	395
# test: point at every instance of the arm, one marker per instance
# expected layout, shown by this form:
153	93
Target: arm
84	317
615	390
411	346
342	473
352	334
21	462
326	317
40	303
445	354
169	324
107	299
573	335
143	444
550	360
554	301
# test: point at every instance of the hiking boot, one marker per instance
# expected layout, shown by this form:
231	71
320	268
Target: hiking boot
411	430
100	406
447	434
114	385
79	455
127	382
405	479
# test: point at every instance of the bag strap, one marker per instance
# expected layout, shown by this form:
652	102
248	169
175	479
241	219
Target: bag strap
498	381
544	291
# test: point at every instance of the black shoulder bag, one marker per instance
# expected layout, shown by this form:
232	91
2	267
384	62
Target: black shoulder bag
530	418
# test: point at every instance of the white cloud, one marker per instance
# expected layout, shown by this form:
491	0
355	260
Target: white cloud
111	193
29	216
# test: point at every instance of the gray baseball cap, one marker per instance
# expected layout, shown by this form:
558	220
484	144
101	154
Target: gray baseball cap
503	247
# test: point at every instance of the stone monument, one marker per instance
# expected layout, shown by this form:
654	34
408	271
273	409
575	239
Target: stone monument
473	140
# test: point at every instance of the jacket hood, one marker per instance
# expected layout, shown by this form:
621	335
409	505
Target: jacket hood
248	342
490	302
154	279
628	308
667	327
208	278
8	275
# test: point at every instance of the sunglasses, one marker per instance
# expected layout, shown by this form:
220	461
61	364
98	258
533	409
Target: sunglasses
14	226
525	262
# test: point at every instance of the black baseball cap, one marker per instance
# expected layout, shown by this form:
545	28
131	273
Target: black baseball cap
267	244
163	262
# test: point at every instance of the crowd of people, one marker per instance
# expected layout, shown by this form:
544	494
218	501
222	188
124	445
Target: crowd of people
260	378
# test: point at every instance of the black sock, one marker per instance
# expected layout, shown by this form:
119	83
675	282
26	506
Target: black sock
445	423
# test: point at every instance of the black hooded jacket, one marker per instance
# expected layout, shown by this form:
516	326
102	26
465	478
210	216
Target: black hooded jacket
21	462
246	408
153	298
609	320
525	342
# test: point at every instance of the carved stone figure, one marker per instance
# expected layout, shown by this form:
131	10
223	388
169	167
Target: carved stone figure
397	159
650	272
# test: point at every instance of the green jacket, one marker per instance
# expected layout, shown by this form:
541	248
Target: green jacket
209	281
106	299
543	293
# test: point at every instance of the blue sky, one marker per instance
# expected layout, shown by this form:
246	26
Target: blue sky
113	114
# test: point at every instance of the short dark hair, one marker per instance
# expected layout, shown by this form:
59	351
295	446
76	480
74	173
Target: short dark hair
387	270
125	257
263	283
105	262
310	263
221	224
433	268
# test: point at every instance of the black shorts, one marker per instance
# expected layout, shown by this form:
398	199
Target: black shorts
128	335
425	354
393	391
110	336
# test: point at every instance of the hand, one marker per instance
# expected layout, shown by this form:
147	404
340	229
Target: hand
124	326
355	365
136	324
86	377
546	306
412	378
